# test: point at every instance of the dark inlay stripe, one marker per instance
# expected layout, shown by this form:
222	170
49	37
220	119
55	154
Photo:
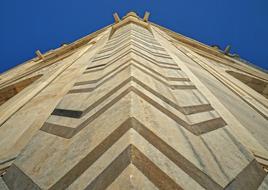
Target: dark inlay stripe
184	110
89	159
159	178
107	49
147	43
110	173
139	45
183	163
157	142
124	33
115	71
141	55
136	44
67	132
96	66
153	60
196	109
15	176
250	178
99	101
197	129
133	155
126	62
67	113
121	31
118	70
202	128
129	42
178	79
77	114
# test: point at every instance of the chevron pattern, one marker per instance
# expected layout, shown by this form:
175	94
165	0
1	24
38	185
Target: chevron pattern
125	61
134	120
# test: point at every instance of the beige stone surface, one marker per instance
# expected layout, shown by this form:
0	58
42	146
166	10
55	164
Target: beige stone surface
16	132
135	110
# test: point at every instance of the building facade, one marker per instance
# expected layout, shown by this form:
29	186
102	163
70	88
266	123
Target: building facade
134	106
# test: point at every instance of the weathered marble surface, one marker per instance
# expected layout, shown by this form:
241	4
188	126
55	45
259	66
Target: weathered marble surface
131	112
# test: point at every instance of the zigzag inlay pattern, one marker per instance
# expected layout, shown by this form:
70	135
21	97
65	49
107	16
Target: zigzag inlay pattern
162	65
132	155
139	63
137	158
140	47
114	69
133	112
196	128
148	42
98	82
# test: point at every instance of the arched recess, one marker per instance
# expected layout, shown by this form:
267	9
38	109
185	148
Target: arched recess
258	85
8	92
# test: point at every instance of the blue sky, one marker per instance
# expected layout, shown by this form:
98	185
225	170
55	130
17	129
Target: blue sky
33	24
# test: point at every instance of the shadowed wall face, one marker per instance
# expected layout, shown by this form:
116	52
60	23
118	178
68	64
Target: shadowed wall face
8	92
256	84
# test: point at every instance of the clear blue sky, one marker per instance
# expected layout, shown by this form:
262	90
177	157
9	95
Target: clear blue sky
35	24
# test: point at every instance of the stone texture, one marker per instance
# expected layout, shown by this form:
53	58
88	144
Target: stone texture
134	110
3	184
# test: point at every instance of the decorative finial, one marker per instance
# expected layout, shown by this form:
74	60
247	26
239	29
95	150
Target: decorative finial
116	18
39	54
146	16
227	50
